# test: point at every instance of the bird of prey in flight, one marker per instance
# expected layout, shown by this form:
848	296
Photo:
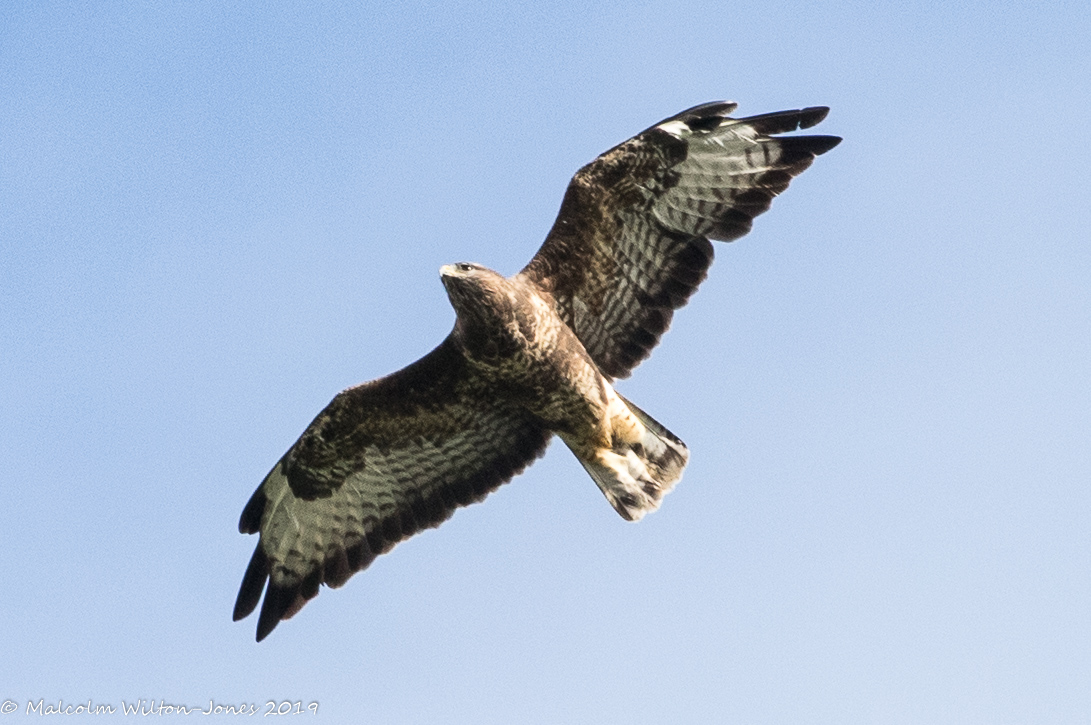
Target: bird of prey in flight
531	356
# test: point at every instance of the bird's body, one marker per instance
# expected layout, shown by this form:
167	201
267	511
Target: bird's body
514	339
530	356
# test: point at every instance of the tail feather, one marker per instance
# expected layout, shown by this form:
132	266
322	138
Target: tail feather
639	469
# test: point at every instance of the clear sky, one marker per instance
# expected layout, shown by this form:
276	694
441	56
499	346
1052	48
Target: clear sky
215	216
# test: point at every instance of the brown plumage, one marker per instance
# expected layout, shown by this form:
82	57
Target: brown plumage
530	356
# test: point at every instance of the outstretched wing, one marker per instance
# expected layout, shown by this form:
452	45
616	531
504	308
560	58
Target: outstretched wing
631	242
381	462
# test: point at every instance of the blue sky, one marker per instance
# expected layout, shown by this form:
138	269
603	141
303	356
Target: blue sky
213	218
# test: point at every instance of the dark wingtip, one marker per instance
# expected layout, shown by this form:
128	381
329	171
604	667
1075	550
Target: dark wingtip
803	148
264	630
779	122
253	582
702	115
812	116
250	521
822	144
278	600
704	110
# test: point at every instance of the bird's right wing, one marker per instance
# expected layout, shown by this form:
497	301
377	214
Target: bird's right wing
381	462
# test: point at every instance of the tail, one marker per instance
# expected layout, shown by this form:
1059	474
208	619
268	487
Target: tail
644	463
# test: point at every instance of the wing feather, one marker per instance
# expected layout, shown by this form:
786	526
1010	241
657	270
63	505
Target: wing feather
383	461
631	241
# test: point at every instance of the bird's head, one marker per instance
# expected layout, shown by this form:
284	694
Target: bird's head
477	293
466	280
461	270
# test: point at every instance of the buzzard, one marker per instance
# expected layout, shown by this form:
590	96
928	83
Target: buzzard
530	356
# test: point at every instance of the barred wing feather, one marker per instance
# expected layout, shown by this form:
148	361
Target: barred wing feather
631	241
383	461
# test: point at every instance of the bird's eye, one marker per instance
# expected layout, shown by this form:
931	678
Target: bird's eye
463	267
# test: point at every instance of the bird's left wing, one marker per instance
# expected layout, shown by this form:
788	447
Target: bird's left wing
383	461
631	242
